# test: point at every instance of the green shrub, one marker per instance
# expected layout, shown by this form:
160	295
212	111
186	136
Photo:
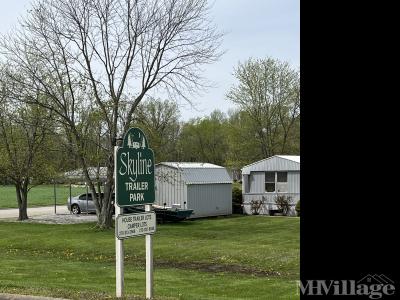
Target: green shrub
237	199
298	208
237	195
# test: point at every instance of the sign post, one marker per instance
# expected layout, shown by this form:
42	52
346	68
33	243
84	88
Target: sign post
149	261
119	244
134	185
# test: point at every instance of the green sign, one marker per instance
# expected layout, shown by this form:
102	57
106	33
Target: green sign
135	170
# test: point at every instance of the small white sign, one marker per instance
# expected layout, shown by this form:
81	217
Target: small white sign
137	224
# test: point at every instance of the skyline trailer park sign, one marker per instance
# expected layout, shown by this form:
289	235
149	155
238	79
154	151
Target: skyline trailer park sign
134	185
135	170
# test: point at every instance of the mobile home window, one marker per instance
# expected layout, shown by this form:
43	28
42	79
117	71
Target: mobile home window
270	182
276	182
281	176
281	182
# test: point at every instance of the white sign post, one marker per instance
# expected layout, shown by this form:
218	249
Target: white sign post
119	244
149	259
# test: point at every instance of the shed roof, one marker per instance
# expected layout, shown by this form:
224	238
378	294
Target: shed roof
274	163
191	165
200	173
77	175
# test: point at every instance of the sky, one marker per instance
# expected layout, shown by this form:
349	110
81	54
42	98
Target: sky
253	28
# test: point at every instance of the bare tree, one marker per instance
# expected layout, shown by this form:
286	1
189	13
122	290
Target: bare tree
107	55
269	92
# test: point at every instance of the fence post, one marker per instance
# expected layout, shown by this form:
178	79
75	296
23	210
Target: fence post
70	196
87	191
55	198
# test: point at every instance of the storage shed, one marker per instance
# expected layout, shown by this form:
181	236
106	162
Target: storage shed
206	188
264	180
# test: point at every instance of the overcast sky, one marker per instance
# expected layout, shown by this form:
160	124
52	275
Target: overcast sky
254	28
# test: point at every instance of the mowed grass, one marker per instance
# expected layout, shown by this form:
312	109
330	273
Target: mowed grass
241	257
41	195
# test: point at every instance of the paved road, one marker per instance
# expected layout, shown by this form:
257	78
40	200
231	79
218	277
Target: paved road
10	213
45	214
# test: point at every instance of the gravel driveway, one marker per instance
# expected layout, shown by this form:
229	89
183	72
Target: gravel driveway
45	214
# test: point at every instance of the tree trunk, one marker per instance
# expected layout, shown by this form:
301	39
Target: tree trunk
104	215
103	204
22	199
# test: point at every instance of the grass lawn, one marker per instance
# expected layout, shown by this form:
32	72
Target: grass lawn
241	257
41	195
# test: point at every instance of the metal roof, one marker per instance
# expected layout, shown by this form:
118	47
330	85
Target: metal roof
200	173
295	158
190	165
78	175
274	163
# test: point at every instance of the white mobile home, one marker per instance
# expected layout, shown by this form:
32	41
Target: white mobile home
264	180
205	188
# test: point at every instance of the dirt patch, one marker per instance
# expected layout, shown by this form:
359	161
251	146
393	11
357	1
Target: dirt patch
216	268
